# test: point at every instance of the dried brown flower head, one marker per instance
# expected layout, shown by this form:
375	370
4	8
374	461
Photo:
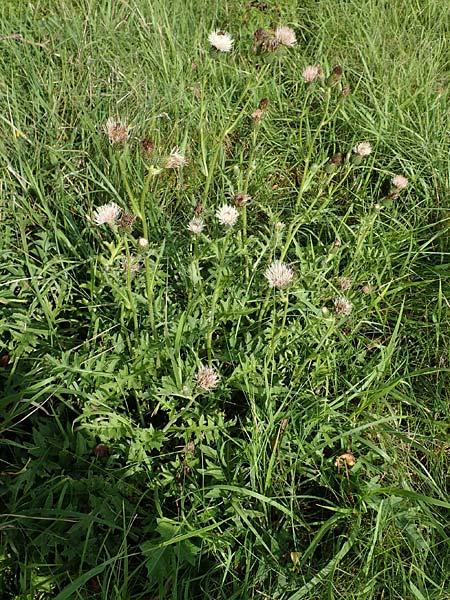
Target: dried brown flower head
337	160
271	44
189	448
242	199
118	132
148	146
264	103
176	160
131	264
100	450
127	220
346	459
261	35
334	163
335	76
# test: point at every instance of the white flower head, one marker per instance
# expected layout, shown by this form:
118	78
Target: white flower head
227	215
196	225
118	132
285	36
400	182
221	41
207	378
363	149
342	306
176	160
142	243
279	274
107	213
311	73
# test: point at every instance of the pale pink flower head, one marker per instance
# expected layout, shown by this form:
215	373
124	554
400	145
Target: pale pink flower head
207	378
227	215
279	274
285	36
363	149
107	214
221	41
312	73
345	283
342	306
196	225
400	182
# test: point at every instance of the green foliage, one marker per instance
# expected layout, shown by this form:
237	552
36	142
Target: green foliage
317	466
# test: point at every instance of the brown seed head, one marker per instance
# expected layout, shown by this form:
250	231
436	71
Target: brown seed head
260	35
271	44
147	146
127	221
100	450
242	199
336	160
346	458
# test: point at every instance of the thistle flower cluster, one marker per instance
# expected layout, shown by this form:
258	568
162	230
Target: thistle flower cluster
270	40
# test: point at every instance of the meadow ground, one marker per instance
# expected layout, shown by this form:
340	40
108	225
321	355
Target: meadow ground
233	380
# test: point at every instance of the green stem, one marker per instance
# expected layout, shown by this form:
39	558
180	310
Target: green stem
130	194
129	290
215	297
